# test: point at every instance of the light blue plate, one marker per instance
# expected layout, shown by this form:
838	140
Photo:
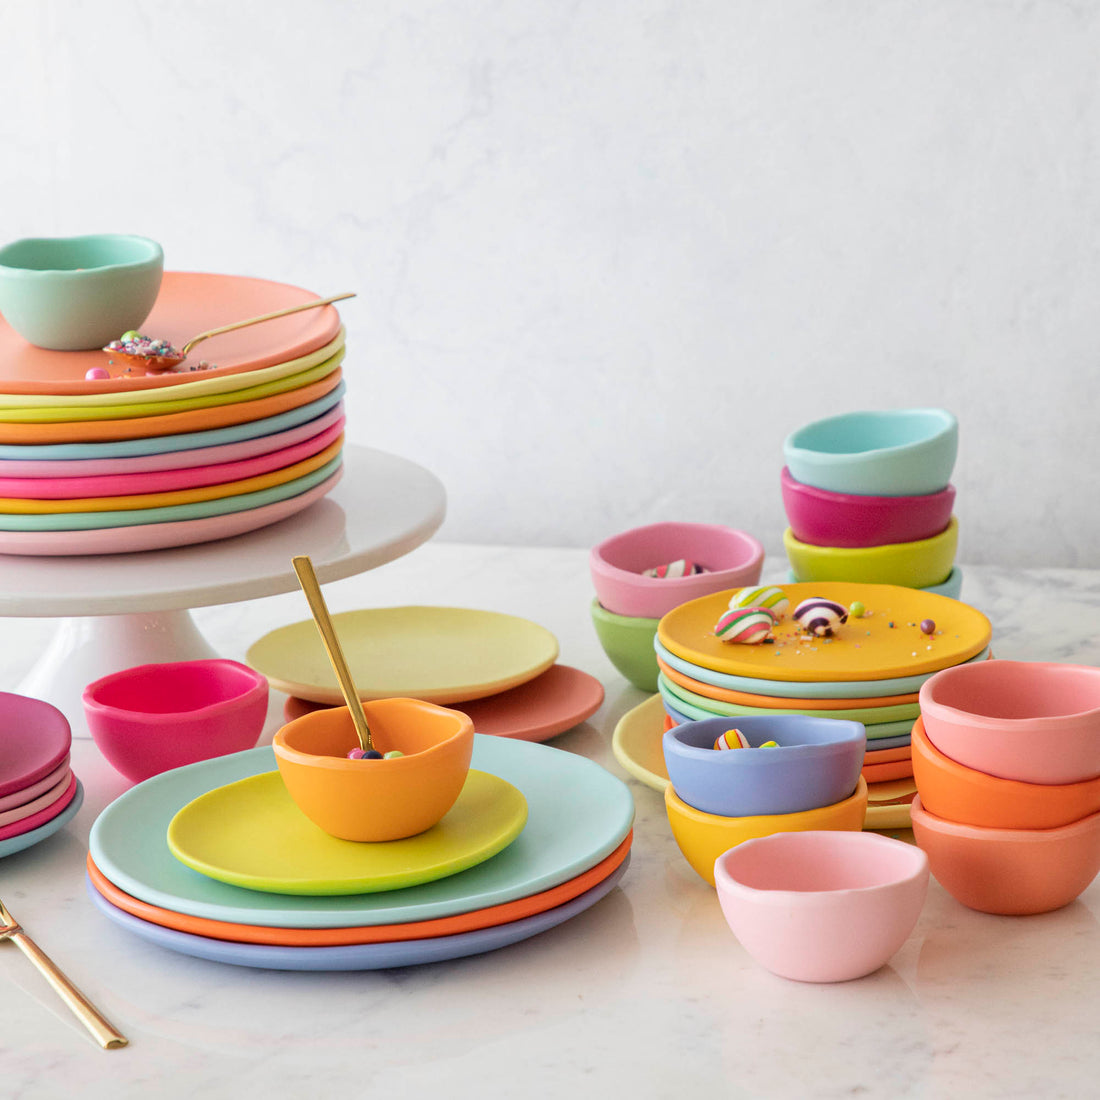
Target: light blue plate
577	814
951	587
26	840
184	441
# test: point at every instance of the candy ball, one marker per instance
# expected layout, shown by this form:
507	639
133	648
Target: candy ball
671	570
819	616
770	745
356	754
393	754
745	625
928	626
856	609
732	739
774	599
94	374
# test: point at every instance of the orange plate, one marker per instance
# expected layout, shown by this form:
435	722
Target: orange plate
189	303
376	933
862	649
887	756
879	773
195	420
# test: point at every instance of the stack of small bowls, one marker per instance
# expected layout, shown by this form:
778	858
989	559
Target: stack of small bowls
868	498
1006	758
629	603
809	779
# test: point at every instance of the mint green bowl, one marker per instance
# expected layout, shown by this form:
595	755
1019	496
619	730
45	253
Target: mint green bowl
78	293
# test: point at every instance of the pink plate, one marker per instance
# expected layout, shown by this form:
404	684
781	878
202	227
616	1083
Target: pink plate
41	818
553	702
171	460
25	794
158	536
159	481
43	802
35	737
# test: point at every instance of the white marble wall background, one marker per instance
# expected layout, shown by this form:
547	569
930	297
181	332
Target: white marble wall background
609	253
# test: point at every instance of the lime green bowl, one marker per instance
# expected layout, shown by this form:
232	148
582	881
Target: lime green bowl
628	643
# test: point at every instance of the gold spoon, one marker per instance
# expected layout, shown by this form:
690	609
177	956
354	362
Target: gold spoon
107	1036
307	578
170	357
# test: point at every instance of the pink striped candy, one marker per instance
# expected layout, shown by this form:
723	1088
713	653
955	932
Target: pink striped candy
673	569
745	625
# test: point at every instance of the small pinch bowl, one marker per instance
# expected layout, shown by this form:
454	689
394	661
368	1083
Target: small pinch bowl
374	800
628	643
79	293
817	763
957	793
1035	721
734	560
1013	872
152	718
822	518
822	906
704	837
919	564
889	453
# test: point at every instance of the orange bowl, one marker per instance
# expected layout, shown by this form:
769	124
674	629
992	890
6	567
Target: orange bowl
374	800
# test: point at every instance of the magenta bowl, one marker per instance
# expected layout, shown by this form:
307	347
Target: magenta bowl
733	559
149	719
822	518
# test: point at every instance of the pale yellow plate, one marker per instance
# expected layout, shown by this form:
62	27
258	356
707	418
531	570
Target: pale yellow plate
439	654
251	834
636	744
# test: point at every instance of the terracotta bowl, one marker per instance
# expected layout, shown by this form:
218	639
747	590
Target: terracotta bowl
376	799
1009	871
733	560
628	643
822	906
1033	721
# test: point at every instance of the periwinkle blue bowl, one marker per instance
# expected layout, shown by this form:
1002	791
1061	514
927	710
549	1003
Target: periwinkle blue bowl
890	453
817	762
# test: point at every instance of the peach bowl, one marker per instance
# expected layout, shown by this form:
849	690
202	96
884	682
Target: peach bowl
1034	721
953	791
376	799
704	837
1014	872
732	558
822	906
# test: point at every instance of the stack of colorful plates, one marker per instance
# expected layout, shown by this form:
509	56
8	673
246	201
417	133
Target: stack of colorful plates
38	792
498	669
537	836
139	460
869	671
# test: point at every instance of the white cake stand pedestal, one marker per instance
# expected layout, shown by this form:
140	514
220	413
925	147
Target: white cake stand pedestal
121	610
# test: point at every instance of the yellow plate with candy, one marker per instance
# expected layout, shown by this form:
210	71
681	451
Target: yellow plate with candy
251	834
887	642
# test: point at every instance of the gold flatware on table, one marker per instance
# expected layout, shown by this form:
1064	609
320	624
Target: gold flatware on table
107	1036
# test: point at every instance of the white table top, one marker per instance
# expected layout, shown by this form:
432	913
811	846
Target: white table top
647	994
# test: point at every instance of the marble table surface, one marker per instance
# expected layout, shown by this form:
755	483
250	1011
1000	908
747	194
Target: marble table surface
647	994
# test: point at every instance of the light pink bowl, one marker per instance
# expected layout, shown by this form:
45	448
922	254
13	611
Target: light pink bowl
734	559
1028	720
149	719
822	906
822	518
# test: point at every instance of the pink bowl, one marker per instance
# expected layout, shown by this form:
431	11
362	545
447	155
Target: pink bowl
149	719
733	559
822	906
822	518
1028	720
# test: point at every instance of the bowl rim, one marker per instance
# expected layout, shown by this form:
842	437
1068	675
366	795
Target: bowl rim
784	898
789	483
638	622
945	827
988	723
918	547
675	804
947	423
154	249
856	733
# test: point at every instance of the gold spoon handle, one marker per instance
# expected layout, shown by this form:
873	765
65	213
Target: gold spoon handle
107	1036
264	317
307	578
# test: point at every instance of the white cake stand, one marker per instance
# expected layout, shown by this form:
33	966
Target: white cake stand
121	610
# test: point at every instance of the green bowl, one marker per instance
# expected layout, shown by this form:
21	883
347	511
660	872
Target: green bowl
78	293
628	644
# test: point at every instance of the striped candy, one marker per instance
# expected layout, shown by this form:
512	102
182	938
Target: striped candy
820	616
672	569
774	599
747	625
732	739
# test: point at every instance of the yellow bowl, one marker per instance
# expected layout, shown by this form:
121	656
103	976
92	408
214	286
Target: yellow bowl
919	564
704	837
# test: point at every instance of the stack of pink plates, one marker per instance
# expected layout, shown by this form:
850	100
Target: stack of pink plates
38	792
141	460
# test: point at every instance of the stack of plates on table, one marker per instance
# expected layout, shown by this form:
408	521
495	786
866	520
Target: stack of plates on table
537	836
869	670
499	669
39	794
138	460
